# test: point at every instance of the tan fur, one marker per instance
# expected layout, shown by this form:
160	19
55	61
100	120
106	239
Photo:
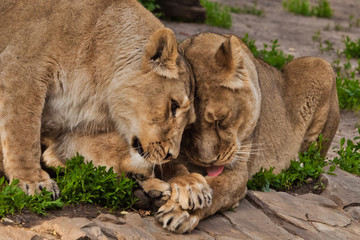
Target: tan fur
72	70
249	115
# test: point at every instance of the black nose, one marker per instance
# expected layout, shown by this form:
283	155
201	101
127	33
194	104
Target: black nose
168	156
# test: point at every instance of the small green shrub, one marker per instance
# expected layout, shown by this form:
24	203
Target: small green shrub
13	200
150	5
348	89
349	156
352	48
81	182
310	165
322	10
324	46
353	22
274	57
217	14
303	7
253	10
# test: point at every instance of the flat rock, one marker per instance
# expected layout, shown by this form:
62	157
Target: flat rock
11	233
354	212
343	188
306	218
247	218
219	226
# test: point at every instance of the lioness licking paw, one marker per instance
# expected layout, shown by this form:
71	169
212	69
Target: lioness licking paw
249	115
72	71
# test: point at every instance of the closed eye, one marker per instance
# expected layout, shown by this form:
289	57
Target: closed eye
219	124
174	106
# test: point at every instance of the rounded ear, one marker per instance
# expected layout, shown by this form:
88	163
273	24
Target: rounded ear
161	53
229	57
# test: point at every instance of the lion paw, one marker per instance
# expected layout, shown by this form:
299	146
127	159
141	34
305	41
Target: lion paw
175	219
34	187
154	191
191	192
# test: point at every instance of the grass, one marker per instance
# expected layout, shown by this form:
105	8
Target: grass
348	89
303	7
349	155
347	82
150	5
273	56
79	182
324	46
352	48
310	165
13	200
217	14
253	10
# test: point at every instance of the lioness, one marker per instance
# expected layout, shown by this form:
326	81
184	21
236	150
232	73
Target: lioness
77	69
249	115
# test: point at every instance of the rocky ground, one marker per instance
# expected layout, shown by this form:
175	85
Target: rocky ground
333	214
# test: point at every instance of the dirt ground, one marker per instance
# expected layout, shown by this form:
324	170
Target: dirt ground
295	36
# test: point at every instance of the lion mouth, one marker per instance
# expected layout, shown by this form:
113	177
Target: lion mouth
136	144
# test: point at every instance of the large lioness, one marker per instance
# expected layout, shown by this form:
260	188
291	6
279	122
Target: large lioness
249	115
77	69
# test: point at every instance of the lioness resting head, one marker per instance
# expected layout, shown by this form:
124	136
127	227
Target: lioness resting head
88	67
249	115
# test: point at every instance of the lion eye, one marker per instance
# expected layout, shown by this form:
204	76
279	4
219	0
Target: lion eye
174	105
219	124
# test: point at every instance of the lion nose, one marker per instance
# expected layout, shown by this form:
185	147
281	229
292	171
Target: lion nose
168	156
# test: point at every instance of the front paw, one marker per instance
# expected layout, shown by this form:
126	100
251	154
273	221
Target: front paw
191	192
154	192
34	186
175	219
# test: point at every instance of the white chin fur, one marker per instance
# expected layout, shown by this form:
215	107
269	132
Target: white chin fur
138	162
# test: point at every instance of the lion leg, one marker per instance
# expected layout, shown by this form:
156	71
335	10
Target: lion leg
106	149
21	112
315	110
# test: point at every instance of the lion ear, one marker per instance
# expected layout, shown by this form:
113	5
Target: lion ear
229	57
161	53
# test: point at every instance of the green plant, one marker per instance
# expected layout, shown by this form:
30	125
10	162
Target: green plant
217	14
353	22
328	45
81	182
248	10
13	199
349	155
150	5
317	37
352	48
303	7
323	9
348	89
310	165
274	57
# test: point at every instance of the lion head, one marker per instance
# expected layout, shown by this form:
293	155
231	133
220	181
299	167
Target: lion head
227	100
156	100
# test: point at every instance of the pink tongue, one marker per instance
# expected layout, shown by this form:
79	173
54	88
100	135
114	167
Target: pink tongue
214	170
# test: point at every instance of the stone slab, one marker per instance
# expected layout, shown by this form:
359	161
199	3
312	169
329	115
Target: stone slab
343	188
